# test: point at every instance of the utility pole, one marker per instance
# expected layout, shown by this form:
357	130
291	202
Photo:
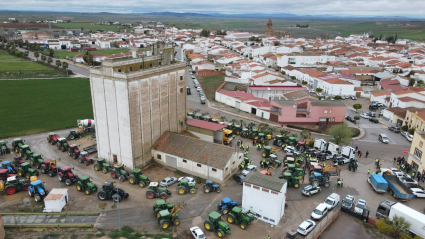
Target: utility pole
119	214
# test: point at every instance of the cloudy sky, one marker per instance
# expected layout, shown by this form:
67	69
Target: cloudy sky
300	7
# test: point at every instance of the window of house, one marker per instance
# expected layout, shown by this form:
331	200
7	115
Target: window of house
233	162
131	68
326	111
199	165
214	169
150	65
119	70
266	218
256	187
141	66
272	220
273	192
420	144
226	168
181	77
181	90
159	63
158	156
115	158
265	190
184	161
330	111
418	153
333	119
247	184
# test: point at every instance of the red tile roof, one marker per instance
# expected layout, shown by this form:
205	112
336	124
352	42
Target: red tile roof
204	124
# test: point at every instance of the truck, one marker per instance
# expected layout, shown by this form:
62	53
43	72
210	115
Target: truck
86	124
319	144
388	209
348	152
224	137
378	183
331	149
396	188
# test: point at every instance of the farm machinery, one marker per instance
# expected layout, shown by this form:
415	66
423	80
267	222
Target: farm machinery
226	205
8	166
184	187
17	160
136	177
73	151
211	187
293	181
166	218
3	148
317	179
108	191
160	205
25	152
13	185
154	191
74	135
102	165
36	160
37	190
16	144
53	138
84	158
214	223
267	151
25	170
62	144
119	172
66	175
236	216
85	185
48	166
5	174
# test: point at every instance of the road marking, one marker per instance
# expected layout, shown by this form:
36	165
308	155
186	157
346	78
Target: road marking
372	126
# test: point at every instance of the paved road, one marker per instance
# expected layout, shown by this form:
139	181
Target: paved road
48	219
352	228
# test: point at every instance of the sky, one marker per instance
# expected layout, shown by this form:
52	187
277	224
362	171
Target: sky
407	8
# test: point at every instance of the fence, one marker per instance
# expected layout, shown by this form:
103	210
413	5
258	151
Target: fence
324	223
364	216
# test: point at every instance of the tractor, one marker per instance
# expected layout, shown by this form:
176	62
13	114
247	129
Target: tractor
37	190
211	187
154	190
226	205
3	148
184	187
25	170
237	129
300	146
272	160
108	191
102	165
236	216
65	174
48	166
86	186
262	139
166	218
17	160
53	138
36	160
84	158
229	126
291	141
353	165
214	223
25	152
8	165
244	133
160	205
292	181
73	151
14	184
138	178
119	172
16	144
5	174
62	144
253	134
279	140
74	135
266	152
317	179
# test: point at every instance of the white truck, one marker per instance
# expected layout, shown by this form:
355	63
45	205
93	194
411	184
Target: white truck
332	149
86	124
389	209
348	152
320	144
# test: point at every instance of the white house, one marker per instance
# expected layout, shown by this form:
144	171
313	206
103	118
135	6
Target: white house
407	98
103	43
264	195
268	92
56	200
335	86
196	157
203	65
303	59
54	45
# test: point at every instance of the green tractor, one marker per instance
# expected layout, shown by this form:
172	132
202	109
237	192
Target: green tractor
62	144
236	216
262	139
154	191
3	148
86	186
14	184
166	218
244	133
184	187
253	134
292	181
16	144
273	160
25	152
160	205
237	129
230	126
317	179
36	160
291	141
279	140
119	172
102	165
267	151
26	171
138	178
214	223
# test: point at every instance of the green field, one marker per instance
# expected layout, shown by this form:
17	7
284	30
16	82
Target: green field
64	54
33	106
210	84
12	67
88	26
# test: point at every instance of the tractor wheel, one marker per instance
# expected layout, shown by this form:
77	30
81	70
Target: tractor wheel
126	195
71	137
102	195
20	173
10	190
150	195
74	155
181	190
176	222
87	191
220	233
157	214
132	179
43	170
80	160
122	178
113	174
224	211
96	167
192	191
51	173
86	163
326	185
218	190
116	198
79	188
104	171
142	184
163	195
208	226
206	190
242	225
296	185
32	162
165	225
30	193
231	219
315	183
264	154
37	198
57	146
68	182
26	187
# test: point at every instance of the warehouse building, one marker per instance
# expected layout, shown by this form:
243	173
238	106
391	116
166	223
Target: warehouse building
264	195
197	157
205	130
136	100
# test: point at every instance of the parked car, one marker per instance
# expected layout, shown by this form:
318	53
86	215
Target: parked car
310	190
190	179
349	118
332	201
374	120
249	169
353	97
319	94
418	192
343	97
198	89
409	137
168	181
348	202
203	99
360	206
312	91
292	149
343	160
306	226
197	233
201	93
383	138
394	129
404	134
239	178
312	152
319	211
364	115
371	114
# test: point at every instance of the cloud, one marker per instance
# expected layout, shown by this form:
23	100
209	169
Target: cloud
300	7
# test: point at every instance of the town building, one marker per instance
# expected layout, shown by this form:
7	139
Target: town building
208	131
136	99
264	195
415	118
417	148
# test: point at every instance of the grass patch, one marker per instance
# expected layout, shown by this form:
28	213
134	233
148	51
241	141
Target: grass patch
355	132
210	84
35	106
70	54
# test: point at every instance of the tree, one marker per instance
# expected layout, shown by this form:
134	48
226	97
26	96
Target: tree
272	130
223	118
304	82
337	97
276	43
319	90
357	117
340	134
88	58
420	83
36	55
65	65
305	134
43	57
295	135
400	224
205	33
242	122
357	106
58	63
49	60
411	82
293	78
411	131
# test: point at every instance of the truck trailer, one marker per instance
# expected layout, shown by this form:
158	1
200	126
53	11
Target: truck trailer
396	188
378	183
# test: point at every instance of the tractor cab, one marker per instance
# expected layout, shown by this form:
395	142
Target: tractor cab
119	167
245	132
4	174
289	159
52	137
36	160
108	186
261	138
266	152
254	134
16	144
273	159
300	146
73	148
291	179
8	165
137	172
25	151
17	160
84	158
226	205
74	134
291	141
84	154
85	180
162	205
237	129
62	144
37	190
229	126
214	223
66	169
3	147
279	140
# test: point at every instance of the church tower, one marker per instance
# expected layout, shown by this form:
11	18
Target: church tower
269	30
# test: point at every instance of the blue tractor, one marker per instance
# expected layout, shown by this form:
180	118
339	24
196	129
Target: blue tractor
211	187
226	205
37	190
8	165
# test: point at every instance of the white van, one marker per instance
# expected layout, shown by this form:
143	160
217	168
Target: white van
332	201
319	212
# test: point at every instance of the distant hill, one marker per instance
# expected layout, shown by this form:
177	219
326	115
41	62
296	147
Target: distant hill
177	14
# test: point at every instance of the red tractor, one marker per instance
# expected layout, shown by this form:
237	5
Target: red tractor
4	174
49	166
73	151
52	138
18	160
65	174
84	158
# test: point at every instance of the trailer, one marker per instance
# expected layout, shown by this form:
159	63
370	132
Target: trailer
397	189
378	183
348	152
319	144
90	149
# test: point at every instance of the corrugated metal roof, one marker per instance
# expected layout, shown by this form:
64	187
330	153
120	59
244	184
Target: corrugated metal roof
204	124
265	181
